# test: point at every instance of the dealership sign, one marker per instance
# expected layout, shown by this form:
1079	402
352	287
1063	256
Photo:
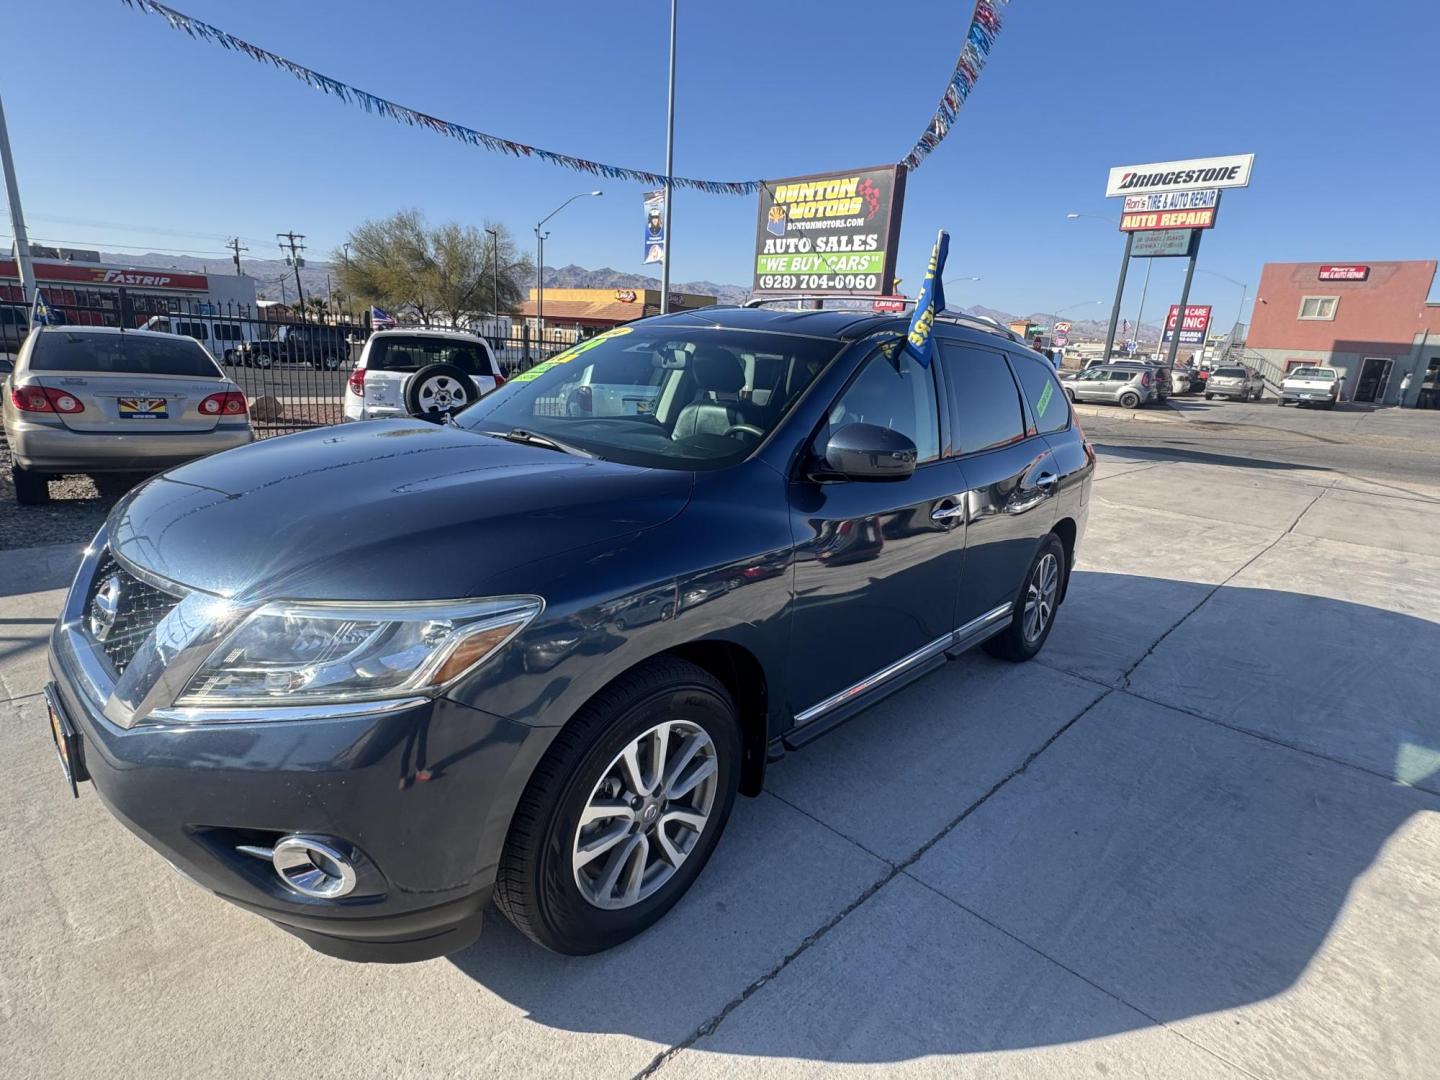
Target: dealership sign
834	233
1162	243
1197	324
1344	273
1216	172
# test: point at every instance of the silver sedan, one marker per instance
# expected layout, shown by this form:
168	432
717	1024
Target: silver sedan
101	400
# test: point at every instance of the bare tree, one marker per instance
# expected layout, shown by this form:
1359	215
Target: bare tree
401	264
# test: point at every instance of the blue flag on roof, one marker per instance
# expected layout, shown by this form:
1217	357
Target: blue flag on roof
921	340
41	314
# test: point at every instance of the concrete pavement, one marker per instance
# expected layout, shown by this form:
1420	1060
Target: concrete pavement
1199	837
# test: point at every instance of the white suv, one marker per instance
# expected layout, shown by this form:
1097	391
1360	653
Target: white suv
425	373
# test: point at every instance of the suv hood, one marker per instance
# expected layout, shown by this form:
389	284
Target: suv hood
381	510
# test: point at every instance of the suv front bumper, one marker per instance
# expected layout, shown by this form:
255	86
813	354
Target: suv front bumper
421	796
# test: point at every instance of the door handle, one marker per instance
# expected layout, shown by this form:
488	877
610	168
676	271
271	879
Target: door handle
1045	481
946	513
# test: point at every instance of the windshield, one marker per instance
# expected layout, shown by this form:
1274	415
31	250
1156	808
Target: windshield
122	354
1313	373
666	397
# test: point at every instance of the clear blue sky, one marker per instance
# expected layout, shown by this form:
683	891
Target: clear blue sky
115	118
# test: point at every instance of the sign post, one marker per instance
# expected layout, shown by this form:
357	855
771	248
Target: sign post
1119	295
1184	301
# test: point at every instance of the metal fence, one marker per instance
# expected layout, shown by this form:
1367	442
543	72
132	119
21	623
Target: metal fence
292	368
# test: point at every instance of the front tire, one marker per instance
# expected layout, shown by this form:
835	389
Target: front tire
624	810
1209	397
1035	606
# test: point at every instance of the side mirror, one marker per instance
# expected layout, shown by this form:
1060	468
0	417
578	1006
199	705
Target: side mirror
869	452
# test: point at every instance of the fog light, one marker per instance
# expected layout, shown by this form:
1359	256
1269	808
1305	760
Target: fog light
312	867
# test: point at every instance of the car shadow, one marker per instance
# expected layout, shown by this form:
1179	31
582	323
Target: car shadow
1219	907
1203	457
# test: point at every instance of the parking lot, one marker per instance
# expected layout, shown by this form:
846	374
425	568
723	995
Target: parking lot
1200	836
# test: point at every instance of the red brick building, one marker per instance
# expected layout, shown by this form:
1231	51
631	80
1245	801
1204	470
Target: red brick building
1374	322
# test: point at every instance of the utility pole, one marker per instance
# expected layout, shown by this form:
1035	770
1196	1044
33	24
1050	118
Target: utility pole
1119	295
295	259
669	169
17	216
234	245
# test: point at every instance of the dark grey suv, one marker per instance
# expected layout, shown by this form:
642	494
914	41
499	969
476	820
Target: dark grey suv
362	679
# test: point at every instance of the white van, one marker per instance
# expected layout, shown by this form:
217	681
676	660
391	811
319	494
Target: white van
218	333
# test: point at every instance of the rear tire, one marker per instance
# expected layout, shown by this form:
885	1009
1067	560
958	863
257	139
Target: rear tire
1129	400
538	884
1039	595
1209	397
31	489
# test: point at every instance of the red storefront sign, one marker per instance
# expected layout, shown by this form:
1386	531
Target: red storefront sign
1197	323
1344	273
86	274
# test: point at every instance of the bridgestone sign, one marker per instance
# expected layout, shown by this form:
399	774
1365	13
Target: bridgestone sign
1216	172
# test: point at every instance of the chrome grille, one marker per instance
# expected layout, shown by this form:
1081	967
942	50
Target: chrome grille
138	609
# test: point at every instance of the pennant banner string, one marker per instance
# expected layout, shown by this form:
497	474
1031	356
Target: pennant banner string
979	40
984	27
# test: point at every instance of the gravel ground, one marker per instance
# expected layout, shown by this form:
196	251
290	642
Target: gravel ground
75	512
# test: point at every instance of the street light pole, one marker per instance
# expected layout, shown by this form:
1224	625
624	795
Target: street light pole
1143	290
540	258
1120	284
669	168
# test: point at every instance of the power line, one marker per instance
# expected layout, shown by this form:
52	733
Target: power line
129	247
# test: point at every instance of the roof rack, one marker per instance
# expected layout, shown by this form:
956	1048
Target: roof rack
959	318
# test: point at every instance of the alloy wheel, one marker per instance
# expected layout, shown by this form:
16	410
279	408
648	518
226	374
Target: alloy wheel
645	815
1040	597
441	393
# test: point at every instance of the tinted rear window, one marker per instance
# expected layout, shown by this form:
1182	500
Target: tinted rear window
411	354
1047	402
1230	372
121	354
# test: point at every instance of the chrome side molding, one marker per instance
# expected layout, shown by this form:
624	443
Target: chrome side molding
967	635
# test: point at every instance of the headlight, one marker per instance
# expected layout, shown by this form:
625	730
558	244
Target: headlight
308	653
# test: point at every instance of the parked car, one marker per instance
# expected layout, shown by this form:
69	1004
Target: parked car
535	652
1311	386
428	373
318	345
1130	385
14	325
100	400
1234	382
223	336
1180	380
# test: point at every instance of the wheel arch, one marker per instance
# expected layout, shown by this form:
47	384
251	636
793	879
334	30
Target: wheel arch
1067	532
743	675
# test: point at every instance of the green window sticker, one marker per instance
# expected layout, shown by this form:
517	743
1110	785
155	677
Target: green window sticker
1045	396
